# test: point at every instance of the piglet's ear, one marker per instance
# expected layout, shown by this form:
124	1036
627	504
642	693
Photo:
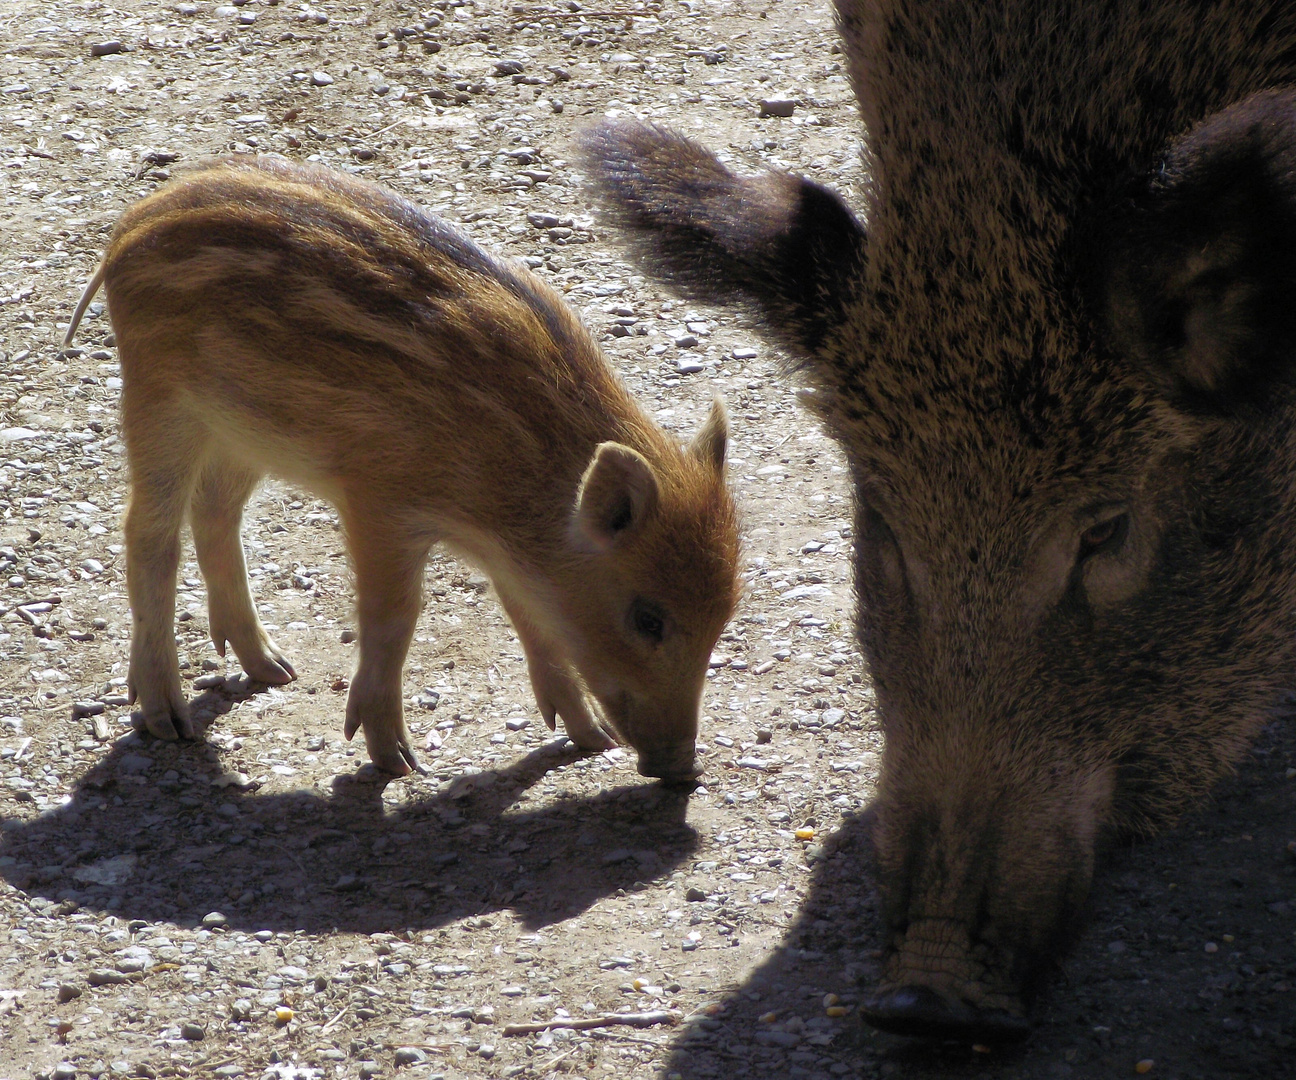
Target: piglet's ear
617	494
709	444
1201	289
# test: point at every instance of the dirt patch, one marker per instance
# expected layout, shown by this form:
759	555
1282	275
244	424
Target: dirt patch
259	904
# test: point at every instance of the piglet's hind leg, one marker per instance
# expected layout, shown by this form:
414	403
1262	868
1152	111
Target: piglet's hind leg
164	453
215	514
389	593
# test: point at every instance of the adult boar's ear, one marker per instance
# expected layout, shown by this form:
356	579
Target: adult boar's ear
1201	289
616	495
788	247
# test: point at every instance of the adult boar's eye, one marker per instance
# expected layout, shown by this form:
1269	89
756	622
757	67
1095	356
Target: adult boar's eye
647	621
1106	535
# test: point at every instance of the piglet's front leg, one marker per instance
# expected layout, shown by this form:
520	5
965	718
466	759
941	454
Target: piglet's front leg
557	689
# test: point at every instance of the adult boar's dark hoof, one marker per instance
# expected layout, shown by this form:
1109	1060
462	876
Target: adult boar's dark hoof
922	1013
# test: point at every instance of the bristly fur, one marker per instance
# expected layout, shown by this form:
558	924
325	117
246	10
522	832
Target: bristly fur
785	242
1061	365
286	319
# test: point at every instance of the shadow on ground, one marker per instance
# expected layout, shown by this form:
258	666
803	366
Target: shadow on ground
148	835
1140	985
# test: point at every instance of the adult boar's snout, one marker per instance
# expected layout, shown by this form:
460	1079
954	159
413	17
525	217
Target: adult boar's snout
982	881
921	1012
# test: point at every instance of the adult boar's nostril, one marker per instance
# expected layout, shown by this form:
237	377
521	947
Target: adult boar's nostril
922	1013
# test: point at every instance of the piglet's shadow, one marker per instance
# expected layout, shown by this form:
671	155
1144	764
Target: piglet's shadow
365	856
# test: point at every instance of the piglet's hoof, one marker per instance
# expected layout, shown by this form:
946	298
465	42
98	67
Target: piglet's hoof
162	724
272	671
397	760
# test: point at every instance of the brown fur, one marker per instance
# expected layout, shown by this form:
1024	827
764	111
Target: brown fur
275	318
1059	358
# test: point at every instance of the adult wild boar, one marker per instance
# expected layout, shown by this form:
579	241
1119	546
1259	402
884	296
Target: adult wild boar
1057	350
287	319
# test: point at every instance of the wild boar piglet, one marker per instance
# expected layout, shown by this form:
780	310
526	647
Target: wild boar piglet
278	318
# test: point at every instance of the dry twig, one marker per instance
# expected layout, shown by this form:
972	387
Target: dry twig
648	1019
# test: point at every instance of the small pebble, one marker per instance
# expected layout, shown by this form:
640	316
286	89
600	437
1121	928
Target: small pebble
777	106
64	1070
1211	947
1144	1066
193	1032
68	991
214	918
321	78
106	48
347	636
409	1055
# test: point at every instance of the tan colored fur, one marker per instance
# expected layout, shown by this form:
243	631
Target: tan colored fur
273	318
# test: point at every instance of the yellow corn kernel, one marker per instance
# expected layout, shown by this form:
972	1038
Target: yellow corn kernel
1144	1066
804	834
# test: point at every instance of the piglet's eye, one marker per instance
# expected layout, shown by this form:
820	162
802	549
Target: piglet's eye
647	621
1106	535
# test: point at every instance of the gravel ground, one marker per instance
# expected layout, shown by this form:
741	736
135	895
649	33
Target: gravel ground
260	903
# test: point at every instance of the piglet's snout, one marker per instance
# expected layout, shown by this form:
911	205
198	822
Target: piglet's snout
673	764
